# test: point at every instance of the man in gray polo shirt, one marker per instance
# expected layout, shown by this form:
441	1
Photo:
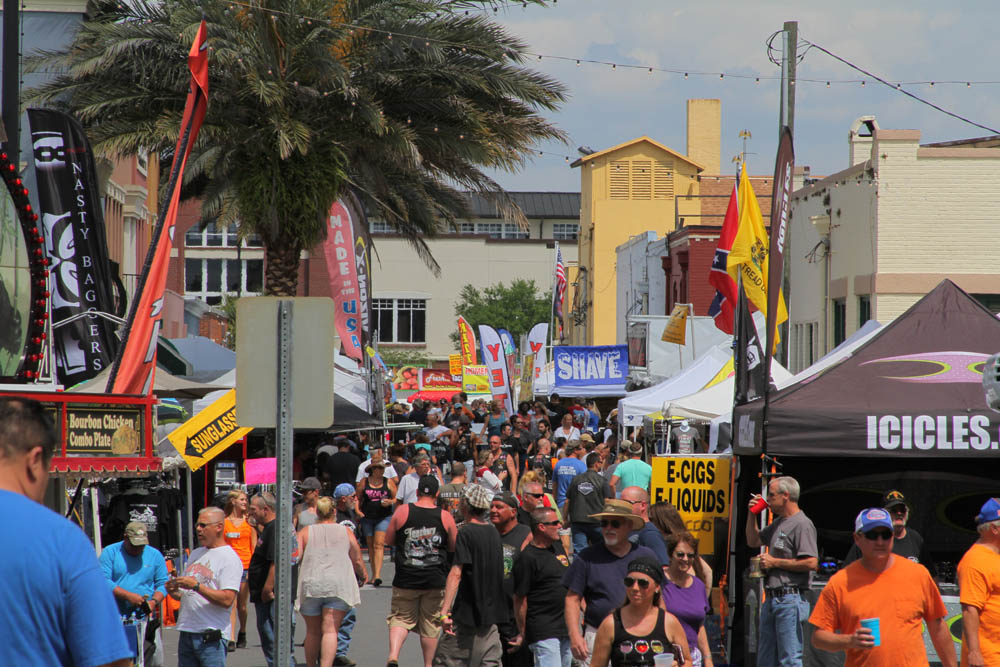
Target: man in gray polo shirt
792	555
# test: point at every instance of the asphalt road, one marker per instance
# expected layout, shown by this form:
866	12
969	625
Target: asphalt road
369	644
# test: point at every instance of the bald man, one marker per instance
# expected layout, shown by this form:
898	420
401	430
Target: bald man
206	592
649	535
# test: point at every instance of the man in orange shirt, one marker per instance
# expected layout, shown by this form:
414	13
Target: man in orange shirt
979	591
887	591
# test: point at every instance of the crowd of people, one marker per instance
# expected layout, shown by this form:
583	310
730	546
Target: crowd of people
508	562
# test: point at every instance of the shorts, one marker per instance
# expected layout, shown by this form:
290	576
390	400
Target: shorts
315	606
245	577
416	609
371	526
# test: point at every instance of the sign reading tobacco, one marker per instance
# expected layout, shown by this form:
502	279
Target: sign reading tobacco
208	433
103	431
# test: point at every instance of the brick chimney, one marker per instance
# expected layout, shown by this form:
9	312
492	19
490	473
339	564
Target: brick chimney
704	133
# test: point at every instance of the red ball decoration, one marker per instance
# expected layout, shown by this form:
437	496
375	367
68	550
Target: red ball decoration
45	272
17	181
38	252
10	167
34	217
34	230
45	294
43	336
45	262
36	340
27	207
29	374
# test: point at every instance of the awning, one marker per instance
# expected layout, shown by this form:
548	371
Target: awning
105	466
434	394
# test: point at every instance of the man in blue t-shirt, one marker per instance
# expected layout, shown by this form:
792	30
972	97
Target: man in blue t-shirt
136	573
567	468
58	608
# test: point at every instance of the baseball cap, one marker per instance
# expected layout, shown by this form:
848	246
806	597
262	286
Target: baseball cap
893	498
873	517
135	531
507	498
478	496
311	483
428	485
586	437
990	511
343	490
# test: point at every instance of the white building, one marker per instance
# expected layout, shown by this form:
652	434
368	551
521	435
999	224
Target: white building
641	282
414	309
869	241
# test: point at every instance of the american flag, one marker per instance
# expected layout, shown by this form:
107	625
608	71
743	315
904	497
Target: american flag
560	289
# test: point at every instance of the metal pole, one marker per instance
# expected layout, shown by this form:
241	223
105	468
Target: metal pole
11	79
791	29
190	522
284	433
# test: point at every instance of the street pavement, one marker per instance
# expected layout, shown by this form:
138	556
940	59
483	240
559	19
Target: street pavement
369	644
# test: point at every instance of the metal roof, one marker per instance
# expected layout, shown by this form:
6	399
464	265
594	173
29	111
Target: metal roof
546	205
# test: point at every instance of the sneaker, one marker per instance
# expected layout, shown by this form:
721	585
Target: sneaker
344	661
241	640
392	663
376	583
231	646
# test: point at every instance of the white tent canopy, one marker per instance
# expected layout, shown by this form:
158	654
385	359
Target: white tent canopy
708	404
637	404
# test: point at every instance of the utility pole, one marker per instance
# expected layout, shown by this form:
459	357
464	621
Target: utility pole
786	117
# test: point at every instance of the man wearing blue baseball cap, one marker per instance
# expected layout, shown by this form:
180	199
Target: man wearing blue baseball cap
347	516
874	608
906	541
978	581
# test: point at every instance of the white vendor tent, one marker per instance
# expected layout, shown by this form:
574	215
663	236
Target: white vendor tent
636	404
708	404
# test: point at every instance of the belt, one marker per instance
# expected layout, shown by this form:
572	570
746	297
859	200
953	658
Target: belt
785	590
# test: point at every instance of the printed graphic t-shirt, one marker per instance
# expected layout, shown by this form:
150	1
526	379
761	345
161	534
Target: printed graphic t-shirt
219	568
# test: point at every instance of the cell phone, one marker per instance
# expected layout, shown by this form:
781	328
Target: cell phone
678	654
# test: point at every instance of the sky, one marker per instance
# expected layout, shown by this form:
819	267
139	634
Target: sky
918	41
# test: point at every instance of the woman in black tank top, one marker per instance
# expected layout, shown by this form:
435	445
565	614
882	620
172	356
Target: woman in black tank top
639	630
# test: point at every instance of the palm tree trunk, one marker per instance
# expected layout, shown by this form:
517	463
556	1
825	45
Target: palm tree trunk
281	273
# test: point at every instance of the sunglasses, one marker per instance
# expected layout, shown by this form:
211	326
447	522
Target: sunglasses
554	522
534	495
614	523
878	534
680	555
632	581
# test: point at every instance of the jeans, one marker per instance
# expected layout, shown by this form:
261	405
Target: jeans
780	640
552	652
344	634
265	628
193	651
585	534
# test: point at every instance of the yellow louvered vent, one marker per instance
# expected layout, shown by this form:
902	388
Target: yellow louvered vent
642	179
619	179
663	180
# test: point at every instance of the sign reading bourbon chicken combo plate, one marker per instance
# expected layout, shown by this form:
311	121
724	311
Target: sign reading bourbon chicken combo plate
103	431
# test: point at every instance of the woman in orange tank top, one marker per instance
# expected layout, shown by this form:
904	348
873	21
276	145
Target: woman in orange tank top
241	536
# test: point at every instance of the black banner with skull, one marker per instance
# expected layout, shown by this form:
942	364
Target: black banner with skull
72	223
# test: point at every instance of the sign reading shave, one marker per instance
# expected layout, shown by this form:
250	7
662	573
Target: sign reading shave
599	364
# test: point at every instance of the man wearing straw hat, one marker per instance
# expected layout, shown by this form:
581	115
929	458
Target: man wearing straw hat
596	575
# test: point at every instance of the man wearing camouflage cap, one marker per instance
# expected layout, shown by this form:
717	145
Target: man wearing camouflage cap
137	573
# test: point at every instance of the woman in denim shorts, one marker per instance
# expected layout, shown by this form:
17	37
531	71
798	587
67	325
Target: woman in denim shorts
376	503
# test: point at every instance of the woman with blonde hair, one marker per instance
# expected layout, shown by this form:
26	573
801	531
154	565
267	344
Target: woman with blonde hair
685	597
331	572
242	537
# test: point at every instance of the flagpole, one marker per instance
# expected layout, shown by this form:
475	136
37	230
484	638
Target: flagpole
552	305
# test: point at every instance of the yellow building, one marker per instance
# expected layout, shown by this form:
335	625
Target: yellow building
638	186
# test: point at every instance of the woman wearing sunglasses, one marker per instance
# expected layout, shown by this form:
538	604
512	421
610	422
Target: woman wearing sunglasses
685	597
638	630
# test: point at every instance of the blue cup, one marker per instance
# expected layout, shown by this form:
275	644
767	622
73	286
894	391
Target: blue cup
873	625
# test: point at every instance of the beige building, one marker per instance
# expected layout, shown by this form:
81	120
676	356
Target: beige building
628	190
869	241
414	309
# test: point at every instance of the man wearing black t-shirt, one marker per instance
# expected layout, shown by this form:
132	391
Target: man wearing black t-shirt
514	537
343	466
539	595
260	575
475	585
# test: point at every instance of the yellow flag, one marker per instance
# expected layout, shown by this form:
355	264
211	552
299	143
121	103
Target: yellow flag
676	328
748	257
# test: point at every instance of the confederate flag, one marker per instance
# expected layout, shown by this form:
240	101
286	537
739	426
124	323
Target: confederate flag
725	288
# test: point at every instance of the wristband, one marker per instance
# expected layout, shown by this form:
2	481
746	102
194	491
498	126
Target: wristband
443	616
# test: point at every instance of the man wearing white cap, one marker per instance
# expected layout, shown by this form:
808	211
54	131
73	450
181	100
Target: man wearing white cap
874	608
137	573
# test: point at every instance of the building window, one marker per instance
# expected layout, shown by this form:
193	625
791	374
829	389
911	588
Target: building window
380	227
864	309
989	301
466	228
142	161
400	320
565	231
493	229
212	236
839	321
514	231
209	279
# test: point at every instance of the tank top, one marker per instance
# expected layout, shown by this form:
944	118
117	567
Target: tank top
628	649
371	501
326	570
421	550
238	537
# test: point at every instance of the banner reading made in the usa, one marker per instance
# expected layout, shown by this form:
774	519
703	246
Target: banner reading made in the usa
593	365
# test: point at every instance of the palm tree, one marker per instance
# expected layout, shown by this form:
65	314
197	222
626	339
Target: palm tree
406	102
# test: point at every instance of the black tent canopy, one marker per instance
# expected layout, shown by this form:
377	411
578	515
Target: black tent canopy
913	391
